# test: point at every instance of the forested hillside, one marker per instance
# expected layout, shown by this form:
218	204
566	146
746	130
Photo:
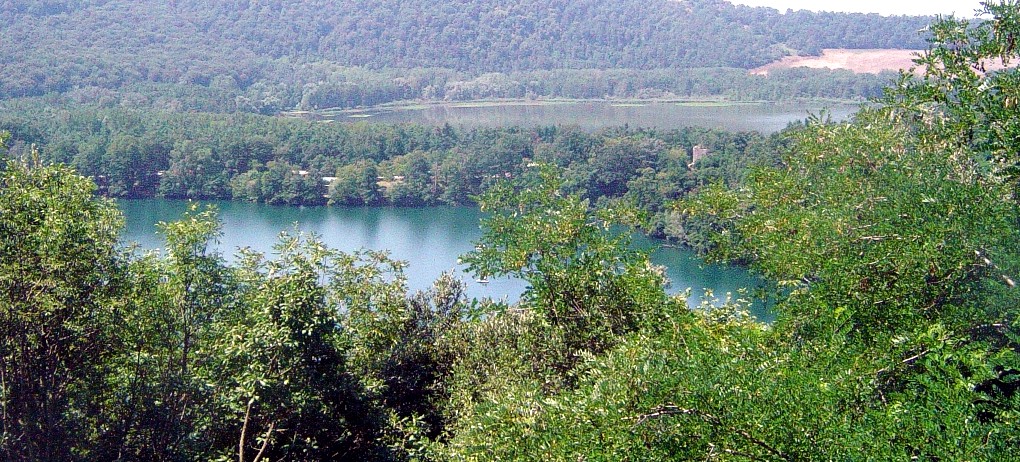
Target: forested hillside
269	54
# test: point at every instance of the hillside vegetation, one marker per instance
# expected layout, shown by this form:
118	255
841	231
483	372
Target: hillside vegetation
267	55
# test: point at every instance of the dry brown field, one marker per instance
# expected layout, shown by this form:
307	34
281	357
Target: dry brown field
859	61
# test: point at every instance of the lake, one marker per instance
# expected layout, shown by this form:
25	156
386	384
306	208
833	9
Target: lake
429	239
594	115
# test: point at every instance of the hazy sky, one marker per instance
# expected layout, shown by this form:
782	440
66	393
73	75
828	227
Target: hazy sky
961	8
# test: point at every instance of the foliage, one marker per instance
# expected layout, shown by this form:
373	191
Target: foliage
582	279
967	95
856	228
714	387
294	162
264	58
312	355
60	274
356	184
162	404
894	248
280	367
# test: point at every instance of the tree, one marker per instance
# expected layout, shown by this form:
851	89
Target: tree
60	277
3	146
968	94
283	387
194	173
174	300
894	247
416	185
855	223
355	184
620	161
582	278
124	167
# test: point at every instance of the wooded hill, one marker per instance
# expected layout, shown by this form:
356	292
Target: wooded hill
88	47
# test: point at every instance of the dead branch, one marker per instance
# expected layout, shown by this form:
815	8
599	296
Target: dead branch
989	263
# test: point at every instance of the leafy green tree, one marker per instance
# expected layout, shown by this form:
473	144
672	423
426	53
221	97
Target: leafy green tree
282	386
458	177
241	154
417	364
893	244
895	339
4	136
161	410
619	161
356	184
855	223
415	185
194	173
248	185
968	93
581	277
123	158
60	279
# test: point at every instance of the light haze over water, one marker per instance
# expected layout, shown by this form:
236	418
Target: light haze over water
959	8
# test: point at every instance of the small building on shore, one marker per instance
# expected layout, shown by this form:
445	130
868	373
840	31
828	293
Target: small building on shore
698	152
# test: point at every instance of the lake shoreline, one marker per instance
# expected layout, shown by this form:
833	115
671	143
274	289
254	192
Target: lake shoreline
430	239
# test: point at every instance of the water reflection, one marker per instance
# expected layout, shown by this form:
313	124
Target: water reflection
429	239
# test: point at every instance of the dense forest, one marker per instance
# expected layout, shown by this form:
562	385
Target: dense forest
280	161
327	86
264	56
891	240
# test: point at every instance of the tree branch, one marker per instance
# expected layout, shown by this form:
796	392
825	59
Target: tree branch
244	431
265	442
988	262
671	410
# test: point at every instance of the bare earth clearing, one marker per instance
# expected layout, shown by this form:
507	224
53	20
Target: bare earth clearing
859	61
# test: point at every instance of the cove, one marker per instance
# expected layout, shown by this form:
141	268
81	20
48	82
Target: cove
430	239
